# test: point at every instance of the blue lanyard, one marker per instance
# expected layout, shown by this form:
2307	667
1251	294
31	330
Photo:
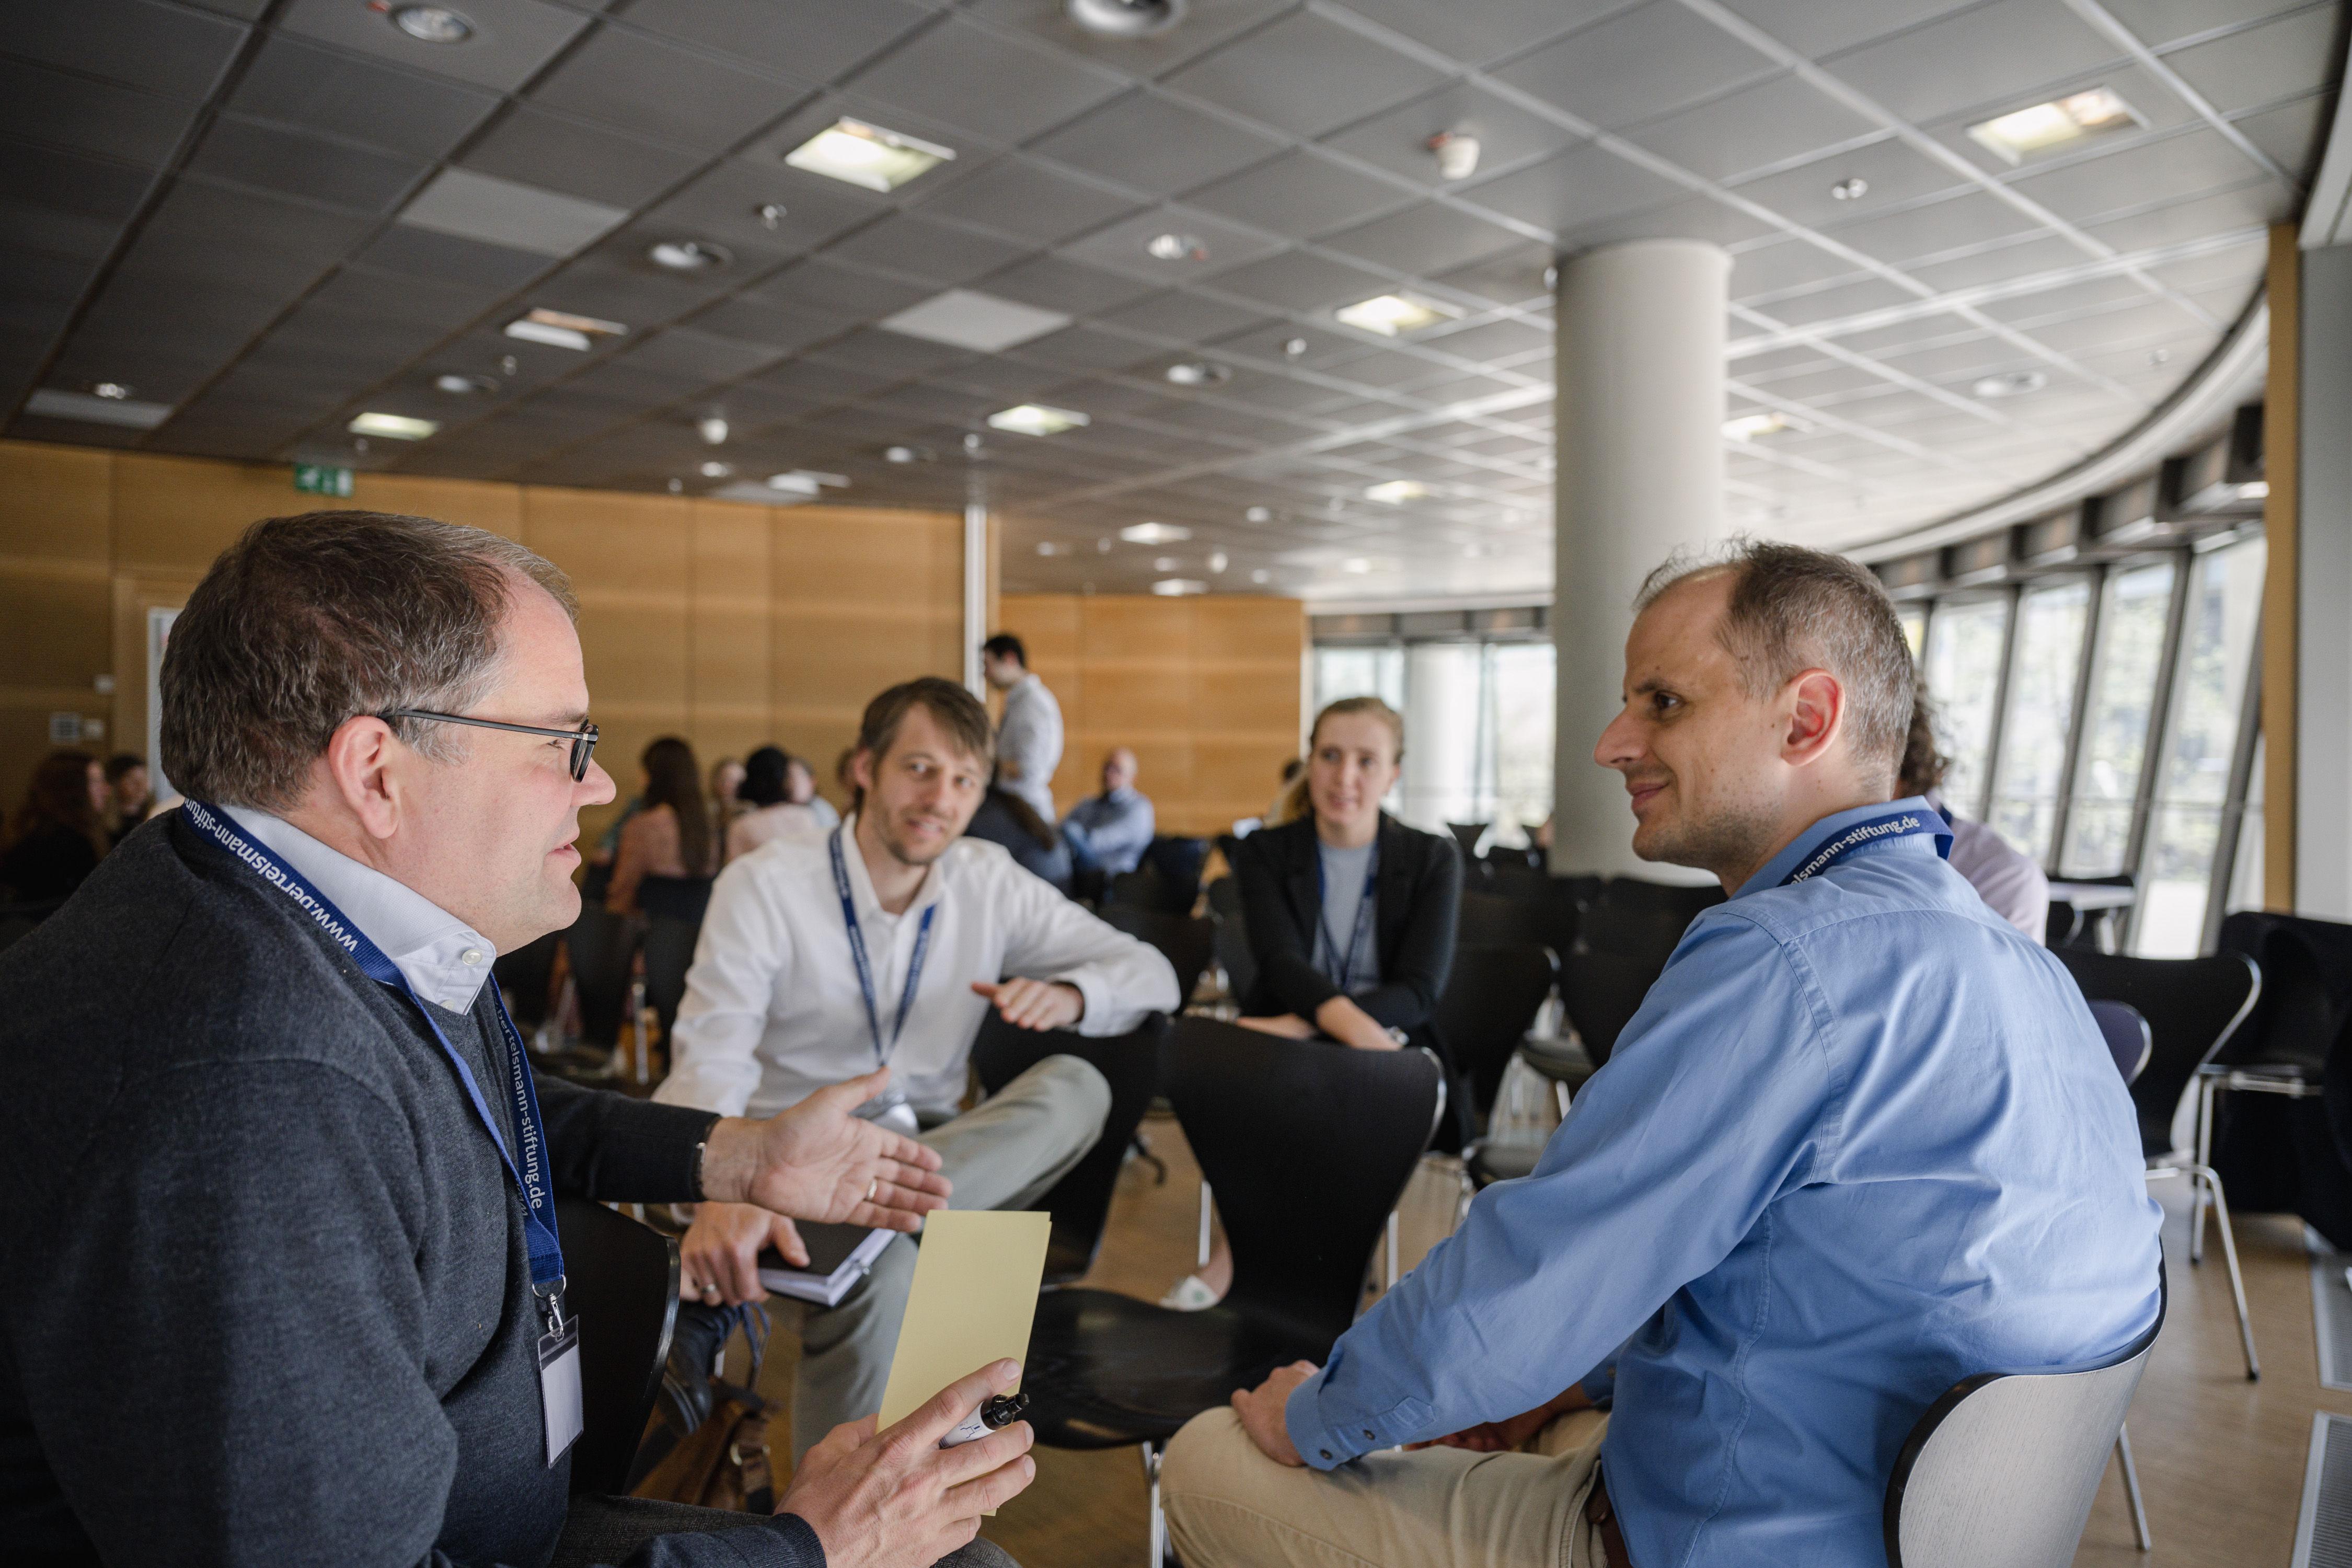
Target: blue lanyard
1902	824
531	1179
1365	908
866	966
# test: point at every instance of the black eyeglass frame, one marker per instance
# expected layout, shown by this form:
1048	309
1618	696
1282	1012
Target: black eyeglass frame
584	739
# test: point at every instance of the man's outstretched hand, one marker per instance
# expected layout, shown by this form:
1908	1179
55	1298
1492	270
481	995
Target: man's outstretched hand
897	1498
1035	1004
1261	1410
820	1162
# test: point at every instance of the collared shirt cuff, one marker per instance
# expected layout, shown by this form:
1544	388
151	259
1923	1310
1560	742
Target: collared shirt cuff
1099	1006
1320	1448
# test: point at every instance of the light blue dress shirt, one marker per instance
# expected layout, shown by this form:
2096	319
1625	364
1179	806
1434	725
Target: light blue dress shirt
1862	1141
1109	832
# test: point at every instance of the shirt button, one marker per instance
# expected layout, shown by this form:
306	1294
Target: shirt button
1368	1435
471	956
1327	1453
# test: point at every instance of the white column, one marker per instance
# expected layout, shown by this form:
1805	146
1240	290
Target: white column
975	594
1639	417
2323	843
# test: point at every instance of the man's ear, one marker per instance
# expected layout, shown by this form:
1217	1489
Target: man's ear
1816	717
357	765
861	771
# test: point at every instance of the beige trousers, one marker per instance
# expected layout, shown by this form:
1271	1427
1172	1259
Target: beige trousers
1229	1506
1005	1154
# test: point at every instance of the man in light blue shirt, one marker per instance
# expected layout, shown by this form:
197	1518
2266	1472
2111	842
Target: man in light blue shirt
1862	1141
1109	832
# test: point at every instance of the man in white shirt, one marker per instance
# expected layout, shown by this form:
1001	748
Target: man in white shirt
2007	880
783	999
1029	738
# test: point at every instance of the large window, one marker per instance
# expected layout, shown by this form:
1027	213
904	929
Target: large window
2123	675
2050	619
2225	596
1966	641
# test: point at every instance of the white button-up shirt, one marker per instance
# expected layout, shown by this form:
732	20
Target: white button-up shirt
443	957
1030	736
773	1011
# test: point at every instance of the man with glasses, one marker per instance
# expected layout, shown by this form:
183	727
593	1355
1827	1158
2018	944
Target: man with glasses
285	1181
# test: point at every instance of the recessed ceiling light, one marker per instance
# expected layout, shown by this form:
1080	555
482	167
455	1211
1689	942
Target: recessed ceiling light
1261	575
1219	561
803	482
1035	419
1357	564
2026	132
396	426
1396	492
1165	564
1126	18
113	391
1753	427
458	386
867	155
1176	248
562	330
1851	189
1394	315
2014	384
1293	347
898	454
966	319
714	469
690	255
712	428
430	24
1258	514
1457	153
1199	372
1177	587
58	403
1155	533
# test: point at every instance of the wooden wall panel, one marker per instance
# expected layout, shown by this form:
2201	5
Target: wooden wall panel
731	624
1205	691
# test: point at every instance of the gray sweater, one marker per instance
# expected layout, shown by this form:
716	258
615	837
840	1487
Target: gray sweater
264	1295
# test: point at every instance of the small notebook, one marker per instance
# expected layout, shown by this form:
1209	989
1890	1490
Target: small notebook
839	1255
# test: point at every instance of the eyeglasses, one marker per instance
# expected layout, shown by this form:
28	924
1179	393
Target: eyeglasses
584	739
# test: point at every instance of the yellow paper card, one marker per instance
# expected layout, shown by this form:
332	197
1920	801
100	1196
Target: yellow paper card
973	1299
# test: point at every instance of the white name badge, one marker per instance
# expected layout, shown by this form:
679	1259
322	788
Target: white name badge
558	1388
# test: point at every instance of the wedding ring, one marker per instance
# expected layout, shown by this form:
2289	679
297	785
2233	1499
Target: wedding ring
710	1292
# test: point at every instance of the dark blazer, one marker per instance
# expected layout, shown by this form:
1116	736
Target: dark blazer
1417	900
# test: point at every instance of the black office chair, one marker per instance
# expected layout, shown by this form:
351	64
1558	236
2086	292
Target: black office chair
622	1282
2003	1468
1308	1146
2129	1039
2192	1006
2304	1006
1469	834
1233	947
2091	930
1129	1063
1643	921
1490	1002
1186	942
1507	919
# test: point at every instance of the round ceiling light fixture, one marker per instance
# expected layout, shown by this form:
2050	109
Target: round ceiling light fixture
901	454
770	213
1851	189
1199	372
1176	248
432	24
690	255
1258	514
715	469
2011	384
712	428
113	391
1126	18
1293	347
1457	153
458	385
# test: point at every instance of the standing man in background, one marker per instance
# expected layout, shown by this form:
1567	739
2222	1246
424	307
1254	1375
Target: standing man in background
1029	736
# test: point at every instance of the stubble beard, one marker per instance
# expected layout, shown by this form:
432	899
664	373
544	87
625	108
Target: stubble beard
1730	837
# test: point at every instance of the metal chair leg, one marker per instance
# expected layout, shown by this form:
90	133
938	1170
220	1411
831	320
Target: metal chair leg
1391	1251
2131	1488
2207	1090
1203	1261
1151	1452
2230	1254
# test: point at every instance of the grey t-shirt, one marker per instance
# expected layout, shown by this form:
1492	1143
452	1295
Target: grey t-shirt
1346	922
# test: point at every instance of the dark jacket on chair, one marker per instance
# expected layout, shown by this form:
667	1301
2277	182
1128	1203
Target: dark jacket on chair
1418	900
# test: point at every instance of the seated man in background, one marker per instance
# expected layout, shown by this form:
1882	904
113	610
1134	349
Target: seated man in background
885	944
290	1195
1107	832
1862	1141
2008	883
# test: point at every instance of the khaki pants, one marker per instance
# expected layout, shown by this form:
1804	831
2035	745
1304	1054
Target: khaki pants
1229	1506
1005	1154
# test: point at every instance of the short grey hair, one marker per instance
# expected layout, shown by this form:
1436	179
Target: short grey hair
308	621
1793	609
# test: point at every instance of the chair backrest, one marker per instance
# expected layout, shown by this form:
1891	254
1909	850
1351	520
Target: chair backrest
1602	991
2129	1039
1169	878
2192	1006
2306	966
1491	1000
1467	835
1307	1146
1233	947
1643	921
2002	1468
1129	1063
1186	941
621	1280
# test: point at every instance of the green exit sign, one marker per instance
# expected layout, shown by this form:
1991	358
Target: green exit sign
316	479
